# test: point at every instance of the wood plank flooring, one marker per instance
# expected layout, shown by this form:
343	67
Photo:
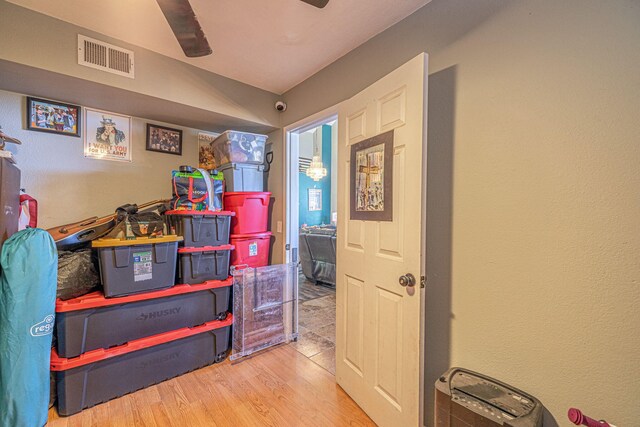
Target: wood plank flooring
280	387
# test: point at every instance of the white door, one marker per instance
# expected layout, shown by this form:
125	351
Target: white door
379	337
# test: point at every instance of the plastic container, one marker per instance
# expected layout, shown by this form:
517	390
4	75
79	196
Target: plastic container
251	249
252	211
200	228
238	147
265	306
243	177
133	266
92	321
101	375
198	265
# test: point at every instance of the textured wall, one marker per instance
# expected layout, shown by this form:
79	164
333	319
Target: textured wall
533	237
70	187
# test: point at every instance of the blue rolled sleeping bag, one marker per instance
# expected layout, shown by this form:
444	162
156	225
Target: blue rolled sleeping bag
28	280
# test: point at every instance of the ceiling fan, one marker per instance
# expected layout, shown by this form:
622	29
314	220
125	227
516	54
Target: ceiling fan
187	29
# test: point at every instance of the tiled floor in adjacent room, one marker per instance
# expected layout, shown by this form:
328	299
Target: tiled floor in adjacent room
317	320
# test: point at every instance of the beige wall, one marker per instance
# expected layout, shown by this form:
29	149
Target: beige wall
70	187
534	178
276	185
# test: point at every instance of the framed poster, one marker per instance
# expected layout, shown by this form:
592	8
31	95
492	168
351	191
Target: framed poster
107	136
53	117
371	196
315	199
205	152
164	140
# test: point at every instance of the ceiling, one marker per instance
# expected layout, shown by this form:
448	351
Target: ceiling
270	44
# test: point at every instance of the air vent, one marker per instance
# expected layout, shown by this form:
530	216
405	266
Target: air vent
104	56
303	164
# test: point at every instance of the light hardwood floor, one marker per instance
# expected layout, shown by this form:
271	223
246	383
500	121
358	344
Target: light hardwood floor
280	387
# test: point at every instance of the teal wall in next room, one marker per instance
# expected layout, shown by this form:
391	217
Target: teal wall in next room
323	216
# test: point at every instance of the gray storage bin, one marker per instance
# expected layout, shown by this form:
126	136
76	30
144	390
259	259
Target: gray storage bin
97	377
199	265
200	228
240	177
92	321
133	266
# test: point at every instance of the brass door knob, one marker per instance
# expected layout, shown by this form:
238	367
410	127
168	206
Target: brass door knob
407	280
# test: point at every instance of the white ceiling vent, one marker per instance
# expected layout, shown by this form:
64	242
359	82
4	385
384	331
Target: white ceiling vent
104	56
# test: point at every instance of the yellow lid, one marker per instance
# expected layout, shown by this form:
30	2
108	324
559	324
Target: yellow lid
109	243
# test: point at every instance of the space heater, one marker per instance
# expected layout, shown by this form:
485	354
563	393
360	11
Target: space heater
467	399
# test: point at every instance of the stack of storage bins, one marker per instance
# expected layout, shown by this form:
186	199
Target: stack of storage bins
144	328
240	156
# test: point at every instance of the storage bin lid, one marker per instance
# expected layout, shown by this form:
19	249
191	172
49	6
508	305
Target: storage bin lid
200	213
109	243
97	299
206	249
227	134
62	364
265	235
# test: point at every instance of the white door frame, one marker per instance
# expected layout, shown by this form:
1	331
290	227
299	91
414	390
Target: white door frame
291	149
290	159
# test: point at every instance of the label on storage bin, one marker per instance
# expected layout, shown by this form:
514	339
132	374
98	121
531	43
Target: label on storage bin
253	249
142	266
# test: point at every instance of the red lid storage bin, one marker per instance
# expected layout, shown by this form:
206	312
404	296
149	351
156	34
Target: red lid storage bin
91	322
251	249
252	211
101	375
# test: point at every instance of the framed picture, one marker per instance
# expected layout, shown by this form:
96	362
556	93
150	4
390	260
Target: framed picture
164	140
315	199
205	152
107	136
371	196
53	117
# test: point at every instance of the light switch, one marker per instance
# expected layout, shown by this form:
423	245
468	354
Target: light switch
279	226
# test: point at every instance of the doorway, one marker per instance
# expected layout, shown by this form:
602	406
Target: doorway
312	232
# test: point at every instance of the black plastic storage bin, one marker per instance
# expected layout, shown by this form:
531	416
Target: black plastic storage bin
199	265
92	321
200	228
99	376
140	265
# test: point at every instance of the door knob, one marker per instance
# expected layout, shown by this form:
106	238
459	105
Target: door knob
407	280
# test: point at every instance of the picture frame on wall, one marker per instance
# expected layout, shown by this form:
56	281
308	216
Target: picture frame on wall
205	151
164	140
315	199
371	170
53	117
107	135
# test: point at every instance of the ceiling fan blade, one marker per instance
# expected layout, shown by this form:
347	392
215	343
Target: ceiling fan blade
317	3
185	26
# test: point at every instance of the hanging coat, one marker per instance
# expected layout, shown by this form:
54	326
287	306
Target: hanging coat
28	280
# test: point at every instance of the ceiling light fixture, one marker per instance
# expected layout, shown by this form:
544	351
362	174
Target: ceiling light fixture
316	170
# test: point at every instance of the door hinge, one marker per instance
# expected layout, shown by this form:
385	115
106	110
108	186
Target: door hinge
423	281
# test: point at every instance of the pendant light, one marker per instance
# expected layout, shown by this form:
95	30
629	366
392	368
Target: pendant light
316	170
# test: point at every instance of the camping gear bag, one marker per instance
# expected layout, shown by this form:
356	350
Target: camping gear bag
191	189
27	311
